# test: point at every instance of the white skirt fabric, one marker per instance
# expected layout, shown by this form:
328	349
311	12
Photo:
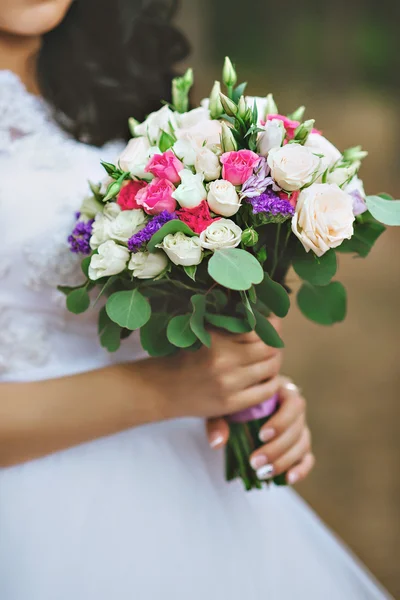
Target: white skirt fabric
146	515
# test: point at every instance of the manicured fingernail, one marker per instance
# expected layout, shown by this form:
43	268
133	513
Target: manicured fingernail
265	472
258	461
266	435
292	478
216	440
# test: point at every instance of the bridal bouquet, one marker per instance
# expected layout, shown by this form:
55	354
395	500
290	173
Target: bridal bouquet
199	220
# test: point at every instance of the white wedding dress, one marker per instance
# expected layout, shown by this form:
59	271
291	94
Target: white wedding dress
144	514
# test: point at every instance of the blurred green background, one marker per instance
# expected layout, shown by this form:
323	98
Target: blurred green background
341	59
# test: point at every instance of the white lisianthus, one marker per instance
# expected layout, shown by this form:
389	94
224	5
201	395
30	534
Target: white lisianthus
182	249
156	123
135	157
293	166
324	217
110	260
192	118
343	175
207	163
145	265
191	192
356	190
223	198
318	144
187	148
272	136
209	131
101	225
223	233
111	210
126	224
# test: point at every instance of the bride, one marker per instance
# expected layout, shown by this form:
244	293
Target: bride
108	486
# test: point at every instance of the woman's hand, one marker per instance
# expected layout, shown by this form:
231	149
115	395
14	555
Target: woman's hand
287	438
237	372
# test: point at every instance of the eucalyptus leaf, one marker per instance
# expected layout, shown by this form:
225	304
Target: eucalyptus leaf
267	332
274	296
85	266
235	269
78	301
232	324
179	331
129	309
153	336
385	211
325	305
364	238
197	319
314	269
171	227
109	332
248	311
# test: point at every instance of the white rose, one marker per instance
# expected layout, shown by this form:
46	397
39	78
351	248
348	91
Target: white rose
343	175
272	136
293	166
182	249
191	190
318	144
187	148
127	223
135	157
207	163
223	198
223	233
323	218
193	117
156	123
110	260
208	131
146	265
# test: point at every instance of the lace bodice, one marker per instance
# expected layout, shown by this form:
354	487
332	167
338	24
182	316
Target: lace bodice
43	178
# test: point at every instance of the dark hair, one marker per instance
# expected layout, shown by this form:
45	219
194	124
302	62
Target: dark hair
107	61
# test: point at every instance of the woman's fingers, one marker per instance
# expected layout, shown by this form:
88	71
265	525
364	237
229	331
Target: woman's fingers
292	406
246	377
253	395
217	432
275	450
302	470
285	462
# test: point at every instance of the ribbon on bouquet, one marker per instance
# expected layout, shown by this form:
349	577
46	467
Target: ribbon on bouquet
265	409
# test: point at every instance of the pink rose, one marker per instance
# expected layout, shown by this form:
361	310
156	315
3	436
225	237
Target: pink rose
156	197
238	166
289	125
165	166
127	196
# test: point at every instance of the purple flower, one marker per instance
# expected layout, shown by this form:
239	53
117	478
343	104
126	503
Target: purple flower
80	237
272	207
257	183
141	238
359	204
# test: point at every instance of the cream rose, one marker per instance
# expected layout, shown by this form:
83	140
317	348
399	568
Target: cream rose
110	260
293	166
324	217
223	198
126	224
156	123
135	157
223	233
182	249
207	163
318	144
145	265
191	192
272	136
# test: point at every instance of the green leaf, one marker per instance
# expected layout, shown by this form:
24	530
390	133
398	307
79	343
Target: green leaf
386	196
314	269
85	266
232	324
219	298
273	295
267	332
248	311
197	319
365	236
239	91
109	332
166	141
129	309
325	305
171	227
153	336
179	332
191	271
78	301
385	211
65	289
235	269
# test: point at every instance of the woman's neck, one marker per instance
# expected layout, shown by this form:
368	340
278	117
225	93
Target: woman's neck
19	54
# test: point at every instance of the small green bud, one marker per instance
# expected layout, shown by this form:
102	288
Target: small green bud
229	144
229	76
250	237
271	107
133	123
303	131
242	108
180	91
354	154
216	108
230	107
298	114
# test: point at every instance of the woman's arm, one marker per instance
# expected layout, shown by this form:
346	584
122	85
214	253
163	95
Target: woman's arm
42	417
